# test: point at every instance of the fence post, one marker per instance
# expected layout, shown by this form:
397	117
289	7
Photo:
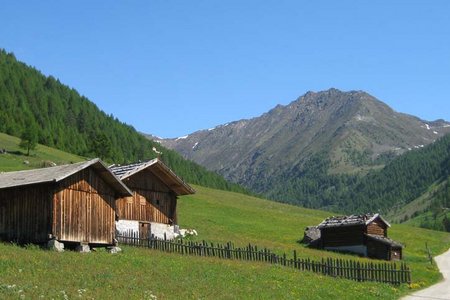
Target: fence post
359	271
409	275
430	257
295	259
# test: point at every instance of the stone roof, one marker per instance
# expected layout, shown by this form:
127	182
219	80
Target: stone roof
58	173
384	240
157	168
352	220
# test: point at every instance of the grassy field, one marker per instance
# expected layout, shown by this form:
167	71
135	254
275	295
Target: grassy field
219	216
15	157
143	274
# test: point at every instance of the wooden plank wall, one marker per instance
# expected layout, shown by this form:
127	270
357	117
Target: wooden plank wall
84	209
25	213
342	236
152	200
377	227
377	250
148	206
395	253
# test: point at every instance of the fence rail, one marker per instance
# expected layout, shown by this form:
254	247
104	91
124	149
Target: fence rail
392	273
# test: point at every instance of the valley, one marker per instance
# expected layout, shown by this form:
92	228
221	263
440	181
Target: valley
328	152
340	151
218	216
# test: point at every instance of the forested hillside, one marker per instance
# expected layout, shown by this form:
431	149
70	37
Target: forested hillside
65	120
403	180
431	210
386	190
316	151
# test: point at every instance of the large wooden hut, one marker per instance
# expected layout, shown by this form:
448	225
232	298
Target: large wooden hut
70	203
362	234
153	207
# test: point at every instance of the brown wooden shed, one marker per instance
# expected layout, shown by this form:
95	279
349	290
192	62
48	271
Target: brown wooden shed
362	234
70	203
155	191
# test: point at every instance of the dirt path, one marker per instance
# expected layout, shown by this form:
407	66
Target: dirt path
440	290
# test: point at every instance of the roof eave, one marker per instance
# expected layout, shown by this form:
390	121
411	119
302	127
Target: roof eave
180	187
377	215
186	189
138	169
118	184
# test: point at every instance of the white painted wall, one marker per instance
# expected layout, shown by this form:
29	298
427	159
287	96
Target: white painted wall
157	229
123	226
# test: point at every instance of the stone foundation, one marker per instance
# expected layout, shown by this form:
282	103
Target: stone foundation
83	248
54	245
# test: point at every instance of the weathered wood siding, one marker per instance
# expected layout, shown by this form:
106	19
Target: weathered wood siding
396	253
25	213
84	209
377	227
152	200
342	236
377	250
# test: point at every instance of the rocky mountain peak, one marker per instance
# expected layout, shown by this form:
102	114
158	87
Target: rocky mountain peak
353	128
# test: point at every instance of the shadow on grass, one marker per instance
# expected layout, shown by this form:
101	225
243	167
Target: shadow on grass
17	152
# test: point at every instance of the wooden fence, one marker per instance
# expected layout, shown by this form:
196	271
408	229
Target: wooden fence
386	272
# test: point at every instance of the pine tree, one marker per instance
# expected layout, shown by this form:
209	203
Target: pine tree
29	137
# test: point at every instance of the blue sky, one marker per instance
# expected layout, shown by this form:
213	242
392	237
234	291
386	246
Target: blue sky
172	67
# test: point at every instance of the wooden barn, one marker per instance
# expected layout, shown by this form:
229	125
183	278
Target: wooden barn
70	203
362	234
153	207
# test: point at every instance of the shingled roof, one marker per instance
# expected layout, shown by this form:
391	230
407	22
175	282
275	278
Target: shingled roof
352	220
384	240
157	168
58	173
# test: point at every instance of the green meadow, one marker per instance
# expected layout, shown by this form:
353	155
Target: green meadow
137	273
32	273
15	158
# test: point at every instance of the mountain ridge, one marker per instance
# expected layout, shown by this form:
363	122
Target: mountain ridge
358	131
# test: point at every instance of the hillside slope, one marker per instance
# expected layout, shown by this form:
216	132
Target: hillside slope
430	210
218	216
354	131
72	123
403	180
14	158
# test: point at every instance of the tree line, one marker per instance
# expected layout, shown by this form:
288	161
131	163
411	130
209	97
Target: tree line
401	181
41	109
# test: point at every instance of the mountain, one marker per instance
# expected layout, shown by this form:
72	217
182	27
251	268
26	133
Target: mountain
429	210
418	174
65	120
331	132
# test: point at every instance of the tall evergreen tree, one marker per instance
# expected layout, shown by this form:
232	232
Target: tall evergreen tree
29	137
68	121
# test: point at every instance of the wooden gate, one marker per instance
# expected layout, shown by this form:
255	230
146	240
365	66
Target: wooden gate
144	230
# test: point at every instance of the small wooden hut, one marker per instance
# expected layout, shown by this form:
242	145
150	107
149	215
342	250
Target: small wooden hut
70	203
362	234
153	207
